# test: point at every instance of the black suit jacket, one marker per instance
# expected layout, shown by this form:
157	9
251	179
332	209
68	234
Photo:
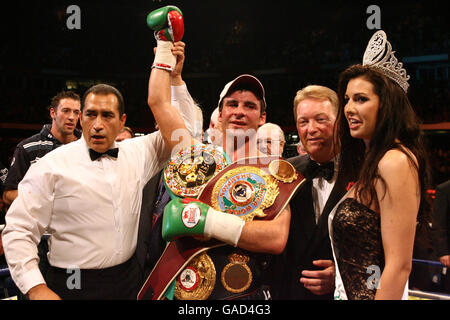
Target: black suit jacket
441	220
307	240
144	238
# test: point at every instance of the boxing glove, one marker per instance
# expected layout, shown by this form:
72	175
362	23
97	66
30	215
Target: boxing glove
190	217
157	19
167	22
175	31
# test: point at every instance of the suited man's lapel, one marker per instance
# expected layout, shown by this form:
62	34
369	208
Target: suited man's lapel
304	204
320	232
299	162
336	194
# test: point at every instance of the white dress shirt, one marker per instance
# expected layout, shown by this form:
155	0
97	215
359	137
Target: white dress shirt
321	190
90	208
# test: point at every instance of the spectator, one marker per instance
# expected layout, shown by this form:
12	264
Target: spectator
271	139
125	133
441	223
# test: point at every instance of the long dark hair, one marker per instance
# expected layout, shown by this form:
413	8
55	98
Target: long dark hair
396	121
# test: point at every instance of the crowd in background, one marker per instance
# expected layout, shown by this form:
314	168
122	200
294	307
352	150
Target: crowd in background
284	61
285	53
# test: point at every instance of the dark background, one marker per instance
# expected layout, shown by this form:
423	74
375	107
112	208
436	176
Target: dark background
286	44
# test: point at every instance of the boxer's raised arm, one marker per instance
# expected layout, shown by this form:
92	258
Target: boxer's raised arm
169	120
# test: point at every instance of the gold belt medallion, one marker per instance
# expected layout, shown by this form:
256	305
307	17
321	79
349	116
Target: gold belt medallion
197	280
188	171
245	192
237	277
283	171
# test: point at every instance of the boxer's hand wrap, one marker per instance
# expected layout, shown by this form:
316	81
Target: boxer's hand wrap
223	226
164	58
189	217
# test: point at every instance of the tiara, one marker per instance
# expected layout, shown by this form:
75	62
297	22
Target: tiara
380	56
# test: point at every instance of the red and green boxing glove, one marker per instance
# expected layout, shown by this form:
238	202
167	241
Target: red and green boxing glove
168	24
190	217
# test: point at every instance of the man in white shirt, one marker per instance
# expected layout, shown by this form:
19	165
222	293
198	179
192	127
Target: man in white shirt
88	196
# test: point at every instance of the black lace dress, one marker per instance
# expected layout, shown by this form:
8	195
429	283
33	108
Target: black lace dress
358	248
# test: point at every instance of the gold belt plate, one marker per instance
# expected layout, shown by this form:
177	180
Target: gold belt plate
197	280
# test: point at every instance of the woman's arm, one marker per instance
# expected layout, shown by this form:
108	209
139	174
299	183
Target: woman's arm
399	204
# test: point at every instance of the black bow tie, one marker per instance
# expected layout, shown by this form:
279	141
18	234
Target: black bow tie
314	170
111	152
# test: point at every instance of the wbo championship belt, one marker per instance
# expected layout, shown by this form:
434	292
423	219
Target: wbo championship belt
251	188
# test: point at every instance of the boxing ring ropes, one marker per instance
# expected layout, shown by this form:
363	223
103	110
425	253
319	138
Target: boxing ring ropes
418	294
413	294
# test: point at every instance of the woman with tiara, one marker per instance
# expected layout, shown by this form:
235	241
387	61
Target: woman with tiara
372	228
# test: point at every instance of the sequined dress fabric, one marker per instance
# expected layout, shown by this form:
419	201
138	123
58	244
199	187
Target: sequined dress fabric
358	248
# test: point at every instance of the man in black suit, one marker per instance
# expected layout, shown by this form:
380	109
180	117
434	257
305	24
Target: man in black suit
305	270
441	223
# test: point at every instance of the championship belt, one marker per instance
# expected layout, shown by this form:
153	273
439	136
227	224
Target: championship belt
188	171
258	186
252	188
